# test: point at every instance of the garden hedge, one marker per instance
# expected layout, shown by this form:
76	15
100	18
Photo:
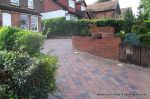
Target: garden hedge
62	27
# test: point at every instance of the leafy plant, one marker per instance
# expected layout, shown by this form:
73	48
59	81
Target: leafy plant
145	39
131	38
29	78
121	34
7	37
28	41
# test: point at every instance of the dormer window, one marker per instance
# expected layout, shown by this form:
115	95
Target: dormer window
30	4
14	2
72	3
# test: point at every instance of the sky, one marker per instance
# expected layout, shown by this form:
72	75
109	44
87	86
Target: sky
123	3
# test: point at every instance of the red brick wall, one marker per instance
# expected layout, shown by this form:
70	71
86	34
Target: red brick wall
106	14
105	48
15	18
50	5
105	31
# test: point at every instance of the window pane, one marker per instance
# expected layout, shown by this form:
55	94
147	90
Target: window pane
15	2
30	4
34	23
24	22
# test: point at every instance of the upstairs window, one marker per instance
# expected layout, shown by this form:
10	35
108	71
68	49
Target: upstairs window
72	3
14	2
82	8
30	4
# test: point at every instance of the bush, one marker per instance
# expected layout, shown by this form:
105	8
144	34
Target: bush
28	41
7	37
145	39
62	27
25	73
12	39
131	38
121	34
29	78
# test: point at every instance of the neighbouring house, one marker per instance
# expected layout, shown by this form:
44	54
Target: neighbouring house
124	11
109	9
70	9
21	13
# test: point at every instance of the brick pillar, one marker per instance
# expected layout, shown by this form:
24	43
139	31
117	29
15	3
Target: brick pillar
15	18
39	24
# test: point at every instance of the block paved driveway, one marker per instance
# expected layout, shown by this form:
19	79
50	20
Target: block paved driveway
84	76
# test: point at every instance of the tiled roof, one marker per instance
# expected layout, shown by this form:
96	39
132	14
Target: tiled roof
103	6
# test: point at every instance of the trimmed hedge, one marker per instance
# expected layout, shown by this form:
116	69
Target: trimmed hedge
145	39
62	27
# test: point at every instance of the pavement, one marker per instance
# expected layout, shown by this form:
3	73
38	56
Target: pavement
85	76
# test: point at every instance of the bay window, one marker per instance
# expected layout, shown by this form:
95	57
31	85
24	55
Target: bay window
24	21
34	23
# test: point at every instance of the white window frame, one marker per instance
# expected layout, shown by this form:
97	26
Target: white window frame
31	4
82	8
71	3
14	2
37	24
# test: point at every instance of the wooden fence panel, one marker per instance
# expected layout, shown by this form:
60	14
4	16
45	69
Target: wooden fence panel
138	55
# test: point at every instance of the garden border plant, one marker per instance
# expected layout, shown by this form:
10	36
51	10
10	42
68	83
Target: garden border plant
26	72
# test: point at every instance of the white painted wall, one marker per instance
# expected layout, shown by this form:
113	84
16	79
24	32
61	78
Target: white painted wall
54	14
6	19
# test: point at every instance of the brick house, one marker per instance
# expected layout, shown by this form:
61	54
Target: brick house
21	13
70	9
109	9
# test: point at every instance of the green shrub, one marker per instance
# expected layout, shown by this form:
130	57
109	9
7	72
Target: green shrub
29	78
62	27
132	38
7	37
28	41
145	39
15	39
121	34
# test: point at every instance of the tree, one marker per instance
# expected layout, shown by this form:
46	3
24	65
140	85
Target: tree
145	4
129	20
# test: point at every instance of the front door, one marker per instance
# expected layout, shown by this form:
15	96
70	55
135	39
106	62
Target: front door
6	19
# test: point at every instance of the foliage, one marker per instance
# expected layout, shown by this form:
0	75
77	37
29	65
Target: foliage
12	39
121	34
62	27
139	25
145	4
129	21
131	38
28	41
145	39
7	37
25	73
29	78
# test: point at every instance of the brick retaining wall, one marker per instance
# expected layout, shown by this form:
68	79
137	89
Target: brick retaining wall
105	48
